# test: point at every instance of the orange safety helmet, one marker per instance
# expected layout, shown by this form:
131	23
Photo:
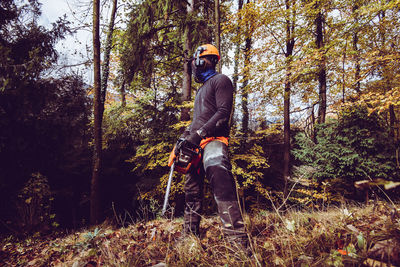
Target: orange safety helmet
209	49
205	50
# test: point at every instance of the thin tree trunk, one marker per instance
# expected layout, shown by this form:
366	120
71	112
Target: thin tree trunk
187	70
357	75
314	130
236	69
319	22
387	78
344	74
107	52
286	100
97	110
218	33
123	94
286	128
245	94
392	122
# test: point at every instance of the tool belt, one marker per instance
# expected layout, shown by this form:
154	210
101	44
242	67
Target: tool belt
191	157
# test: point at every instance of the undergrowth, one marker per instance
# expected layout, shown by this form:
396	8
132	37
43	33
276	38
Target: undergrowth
339	236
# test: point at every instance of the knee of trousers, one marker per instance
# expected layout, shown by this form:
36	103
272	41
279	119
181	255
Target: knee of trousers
222	183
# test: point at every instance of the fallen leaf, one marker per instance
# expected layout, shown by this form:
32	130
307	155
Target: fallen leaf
352	228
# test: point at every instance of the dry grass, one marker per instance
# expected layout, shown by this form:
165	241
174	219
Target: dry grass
347	236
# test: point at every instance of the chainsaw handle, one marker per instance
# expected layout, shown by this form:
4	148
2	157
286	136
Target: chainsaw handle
192	148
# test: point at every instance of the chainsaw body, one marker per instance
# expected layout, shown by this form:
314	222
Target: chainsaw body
189	156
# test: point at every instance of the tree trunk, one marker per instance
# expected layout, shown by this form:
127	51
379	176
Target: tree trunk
123	94
392	122
286	100
97	111
357	75
387	78
187	70
344	74
314	129
107	52
245	95
218	33
319	23
236	69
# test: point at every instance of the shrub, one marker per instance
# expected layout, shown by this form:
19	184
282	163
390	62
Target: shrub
356	146
34	203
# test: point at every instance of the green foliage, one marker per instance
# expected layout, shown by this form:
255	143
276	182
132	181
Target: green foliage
90	237
27	49
353	147
34	204
44	120
153	42
142	134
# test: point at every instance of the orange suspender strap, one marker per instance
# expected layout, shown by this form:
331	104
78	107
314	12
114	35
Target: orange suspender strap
203	144
222	139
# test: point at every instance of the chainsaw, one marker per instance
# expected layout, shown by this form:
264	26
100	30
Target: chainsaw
189	156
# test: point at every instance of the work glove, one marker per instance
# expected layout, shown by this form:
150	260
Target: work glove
193	138
175	151
178	145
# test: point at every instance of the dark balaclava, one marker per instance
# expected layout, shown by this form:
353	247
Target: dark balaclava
205	69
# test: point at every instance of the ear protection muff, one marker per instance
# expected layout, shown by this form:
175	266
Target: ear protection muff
199	62
206	51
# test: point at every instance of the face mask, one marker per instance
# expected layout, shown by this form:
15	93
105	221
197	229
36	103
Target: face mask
203	73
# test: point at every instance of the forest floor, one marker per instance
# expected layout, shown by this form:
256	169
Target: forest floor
339	236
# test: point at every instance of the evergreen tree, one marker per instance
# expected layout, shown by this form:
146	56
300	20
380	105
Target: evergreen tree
353	147
44	120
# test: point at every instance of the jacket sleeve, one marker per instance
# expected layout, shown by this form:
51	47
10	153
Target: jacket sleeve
223	89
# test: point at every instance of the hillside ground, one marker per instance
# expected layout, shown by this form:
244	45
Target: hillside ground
337	236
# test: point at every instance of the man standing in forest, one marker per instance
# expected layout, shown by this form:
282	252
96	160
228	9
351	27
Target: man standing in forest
209	129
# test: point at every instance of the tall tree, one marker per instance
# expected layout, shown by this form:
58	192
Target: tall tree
244	87
187	70
290	41
387	71
218	32
43	119
107	52
357	74
100	91
235	77
97	111
321	73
